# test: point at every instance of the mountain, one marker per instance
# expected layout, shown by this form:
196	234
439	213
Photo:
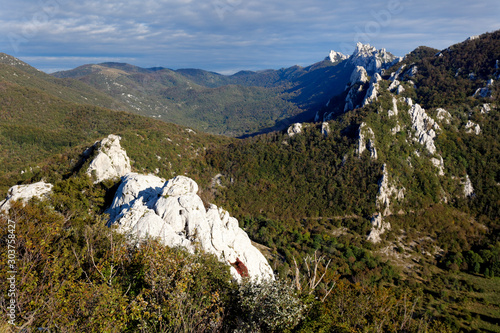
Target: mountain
241	104
381	215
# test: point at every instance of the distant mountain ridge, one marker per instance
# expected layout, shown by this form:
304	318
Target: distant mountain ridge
244	103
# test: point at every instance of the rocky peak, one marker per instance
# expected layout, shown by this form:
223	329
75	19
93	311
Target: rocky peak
336	56
371	59
111	160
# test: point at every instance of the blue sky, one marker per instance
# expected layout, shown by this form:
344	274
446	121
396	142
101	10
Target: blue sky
229	35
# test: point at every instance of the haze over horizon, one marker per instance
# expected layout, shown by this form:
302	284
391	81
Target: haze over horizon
226	36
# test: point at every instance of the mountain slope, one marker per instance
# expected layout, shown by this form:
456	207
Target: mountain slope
241	104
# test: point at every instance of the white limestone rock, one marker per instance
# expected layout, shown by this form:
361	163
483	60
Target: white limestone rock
294	129
371	59
486	108
366	141
443	115
379	226
336	56
359	75
25	193
394	84
325	129
424	126
396	74
485	91
438	163
472	127
394	111
372	93
145	205
386	192
468	188
412	71
111	160
396	129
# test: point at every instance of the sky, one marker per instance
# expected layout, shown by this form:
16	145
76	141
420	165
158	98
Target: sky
226	36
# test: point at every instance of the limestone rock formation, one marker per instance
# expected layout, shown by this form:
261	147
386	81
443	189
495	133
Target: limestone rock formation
486	108
325	129
371	59
424	126
145	205
378	228
366	141
468	188
438	163
472	127
336	56
372	93
394	111
386	192
111	160
294	129
358	75
25	193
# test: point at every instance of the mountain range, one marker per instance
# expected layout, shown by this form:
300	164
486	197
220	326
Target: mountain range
383	171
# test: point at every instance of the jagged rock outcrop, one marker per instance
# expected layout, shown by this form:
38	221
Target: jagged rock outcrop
351	97
379	226
486	108
424	126
485	91
468	188
412	71
438	163
294	129
371	59
386	191
366	141
472	127
359	75
336	56
395	75
325	129
372	93
25	193
146	205
394	111
111	160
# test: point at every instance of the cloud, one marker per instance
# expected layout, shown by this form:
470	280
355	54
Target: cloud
231	34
